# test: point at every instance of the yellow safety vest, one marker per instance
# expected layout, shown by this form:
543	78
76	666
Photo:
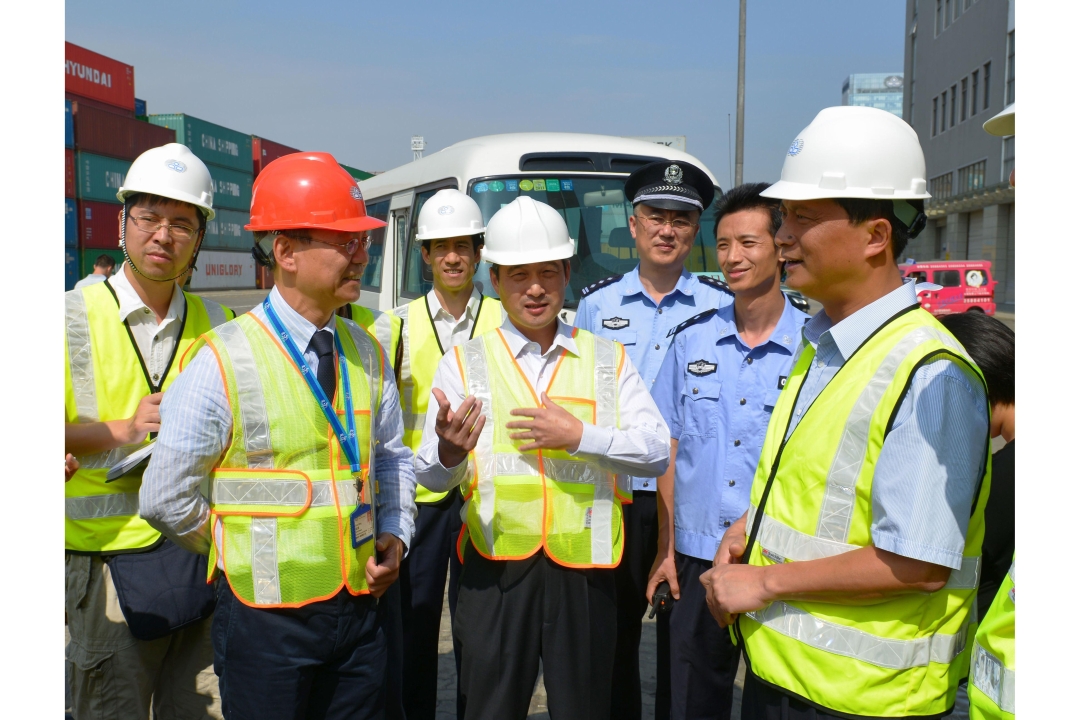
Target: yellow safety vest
104	379
899	656
386	327
421	353
992	681
281	496
518	502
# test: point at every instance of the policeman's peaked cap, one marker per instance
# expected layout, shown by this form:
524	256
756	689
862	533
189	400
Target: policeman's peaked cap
670	185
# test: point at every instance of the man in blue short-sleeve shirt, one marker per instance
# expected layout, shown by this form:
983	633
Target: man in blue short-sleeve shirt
640	309
716	389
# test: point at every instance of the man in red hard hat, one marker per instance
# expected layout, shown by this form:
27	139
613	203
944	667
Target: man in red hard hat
280	455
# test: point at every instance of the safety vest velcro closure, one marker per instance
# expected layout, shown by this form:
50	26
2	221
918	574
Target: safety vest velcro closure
991	676
91	507
854	643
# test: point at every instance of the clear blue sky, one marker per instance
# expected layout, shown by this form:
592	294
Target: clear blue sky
358	79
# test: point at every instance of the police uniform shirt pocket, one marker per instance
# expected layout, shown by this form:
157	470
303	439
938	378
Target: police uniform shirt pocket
701	404
626	337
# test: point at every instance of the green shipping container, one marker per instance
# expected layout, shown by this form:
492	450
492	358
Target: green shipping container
232	189
358	174
213	144
226	231
99	177
87	258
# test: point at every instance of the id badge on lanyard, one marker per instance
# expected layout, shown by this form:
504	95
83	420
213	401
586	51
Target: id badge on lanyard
362	519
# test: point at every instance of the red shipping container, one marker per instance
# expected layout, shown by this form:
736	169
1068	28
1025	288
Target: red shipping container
97	77
104	133
69	172
264	151
99	225
264	277
87	102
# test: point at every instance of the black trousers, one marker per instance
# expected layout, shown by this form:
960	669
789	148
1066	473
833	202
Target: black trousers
511	614
631	578
704	661
764	702
422	580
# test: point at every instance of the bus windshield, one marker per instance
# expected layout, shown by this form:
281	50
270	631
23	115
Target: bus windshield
596	212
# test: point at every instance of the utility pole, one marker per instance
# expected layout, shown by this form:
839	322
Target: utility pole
740	110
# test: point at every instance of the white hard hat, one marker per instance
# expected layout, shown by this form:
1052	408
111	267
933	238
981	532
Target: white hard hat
853	152
171	171
449	213
526	232
1002	124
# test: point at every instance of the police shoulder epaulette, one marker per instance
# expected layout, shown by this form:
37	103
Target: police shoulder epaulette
586	291
714	283
692	321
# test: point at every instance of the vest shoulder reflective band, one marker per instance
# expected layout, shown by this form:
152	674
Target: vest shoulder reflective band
386	327
992	681
898	657
420	358
281	497
518	502
104	380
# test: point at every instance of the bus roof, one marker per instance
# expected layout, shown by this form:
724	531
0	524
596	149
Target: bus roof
493	155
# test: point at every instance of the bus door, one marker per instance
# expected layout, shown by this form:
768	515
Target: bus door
397	236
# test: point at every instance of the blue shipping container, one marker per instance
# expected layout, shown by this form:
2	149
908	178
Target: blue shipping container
71	224
71	268
140	108
69	126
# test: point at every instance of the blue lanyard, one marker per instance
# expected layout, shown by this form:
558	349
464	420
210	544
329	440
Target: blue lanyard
349	442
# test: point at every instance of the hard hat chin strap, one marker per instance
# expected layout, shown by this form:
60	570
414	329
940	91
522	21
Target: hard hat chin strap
906	213
123	247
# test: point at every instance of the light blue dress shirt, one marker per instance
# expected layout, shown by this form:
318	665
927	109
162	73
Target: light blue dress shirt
625	311
196	427
717	395
932	459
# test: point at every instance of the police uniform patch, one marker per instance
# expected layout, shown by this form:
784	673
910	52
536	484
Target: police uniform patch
687	323
616	323
586	291
715	283
701	368
781	382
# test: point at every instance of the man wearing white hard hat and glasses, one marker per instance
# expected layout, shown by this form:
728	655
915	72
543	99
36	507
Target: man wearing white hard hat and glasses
542	425
137	605
850	581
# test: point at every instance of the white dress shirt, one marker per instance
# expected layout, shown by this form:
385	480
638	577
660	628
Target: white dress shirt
642	446
155	340
454	331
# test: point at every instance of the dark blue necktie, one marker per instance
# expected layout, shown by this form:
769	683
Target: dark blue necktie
322	344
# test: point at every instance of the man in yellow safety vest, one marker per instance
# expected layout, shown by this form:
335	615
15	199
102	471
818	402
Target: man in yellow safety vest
854	571
542	425
124	339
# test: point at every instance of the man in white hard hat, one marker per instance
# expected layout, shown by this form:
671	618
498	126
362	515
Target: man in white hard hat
541	424
850	579
450	230
131	651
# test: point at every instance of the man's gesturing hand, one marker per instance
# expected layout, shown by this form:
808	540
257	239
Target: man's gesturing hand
548	428
458	430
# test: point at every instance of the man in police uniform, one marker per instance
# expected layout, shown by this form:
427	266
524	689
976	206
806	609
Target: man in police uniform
716	390
450	229
541	424
851	578
124	340
639	309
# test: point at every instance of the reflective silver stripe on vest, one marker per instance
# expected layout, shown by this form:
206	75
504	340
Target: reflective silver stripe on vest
384	333
283	493
995	680
407	389
476	380
256	423
853	643
93	507
413	421
80	357
837	507
214	311
107	459
264	565
781	543
605	390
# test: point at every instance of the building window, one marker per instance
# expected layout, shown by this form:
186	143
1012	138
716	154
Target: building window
967	4
938	25
974	92
971	177
941	186
948	13
986	86
963	100
934	125
952	108
944	102
1010	69
1008	155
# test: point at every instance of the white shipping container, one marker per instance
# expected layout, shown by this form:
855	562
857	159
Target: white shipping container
223	271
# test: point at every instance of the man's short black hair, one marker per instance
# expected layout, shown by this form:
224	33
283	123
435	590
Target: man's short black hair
105	261
148	198
860	210
991	344
477	241
748	197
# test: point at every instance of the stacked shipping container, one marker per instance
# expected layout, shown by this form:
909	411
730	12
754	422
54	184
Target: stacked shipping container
263	152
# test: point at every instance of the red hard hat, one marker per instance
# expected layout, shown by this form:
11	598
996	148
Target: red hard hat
308	190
